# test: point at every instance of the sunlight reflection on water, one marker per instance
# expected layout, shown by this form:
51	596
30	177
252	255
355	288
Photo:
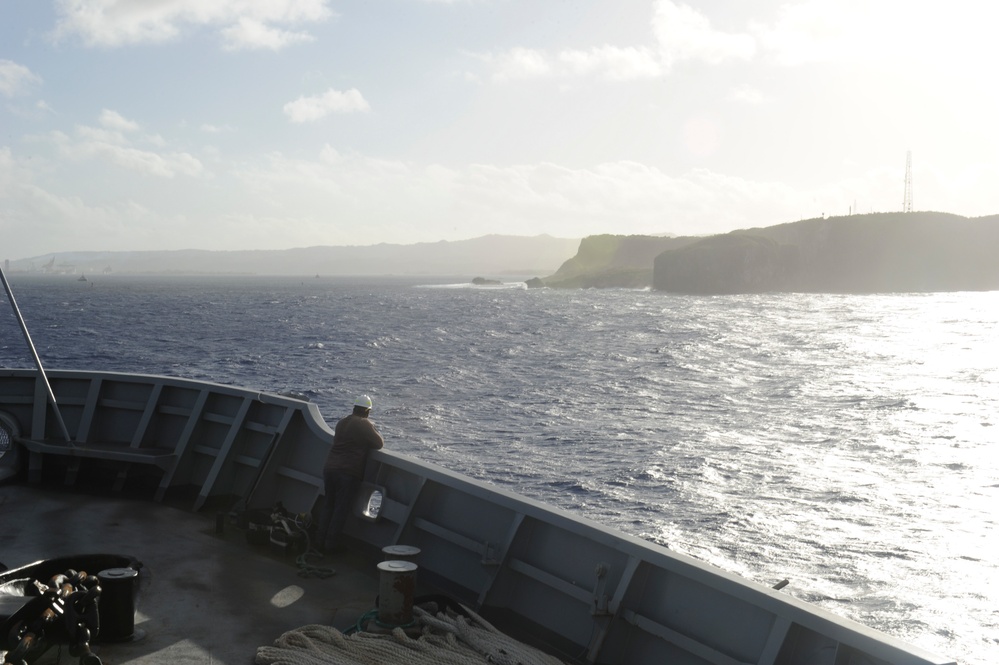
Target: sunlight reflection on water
842	442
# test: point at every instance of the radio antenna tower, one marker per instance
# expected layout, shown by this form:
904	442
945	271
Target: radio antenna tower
907	197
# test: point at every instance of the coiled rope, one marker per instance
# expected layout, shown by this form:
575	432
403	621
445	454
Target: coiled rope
301	524
444	639
306	569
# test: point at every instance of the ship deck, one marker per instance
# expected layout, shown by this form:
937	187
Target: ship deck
206	594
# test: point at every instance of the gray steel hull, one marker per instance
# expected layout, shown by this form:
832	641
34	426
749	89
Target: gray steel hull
589	593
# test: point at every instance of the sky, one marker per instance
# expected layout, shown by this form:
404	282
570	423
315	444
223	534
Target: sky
270	124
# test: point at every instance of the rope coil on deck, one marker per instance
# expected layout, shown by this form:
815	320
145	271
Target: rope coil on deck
444	638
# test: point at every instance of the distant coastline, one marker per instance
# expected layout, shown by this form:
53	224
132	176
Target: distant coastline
492	255
872	253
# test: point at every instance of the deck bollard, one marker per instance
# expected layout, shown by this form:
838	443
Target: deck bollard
396	588
400	553
117	604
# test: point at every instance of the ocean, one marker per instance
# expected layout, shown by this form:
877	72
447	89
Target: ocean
846	443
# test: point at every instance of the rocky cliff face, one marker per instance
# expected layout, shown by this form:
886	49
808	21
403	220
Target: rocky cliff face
879	253
725	264
611	261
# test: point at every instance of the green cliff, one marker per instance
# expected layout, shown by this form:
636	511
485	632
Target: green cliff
611	261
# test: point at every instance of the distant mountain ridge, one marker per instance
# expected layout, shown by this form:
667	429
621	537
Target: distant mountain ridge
490	255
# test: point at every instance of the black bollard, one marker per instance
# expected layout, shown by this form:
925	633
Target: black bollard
117	604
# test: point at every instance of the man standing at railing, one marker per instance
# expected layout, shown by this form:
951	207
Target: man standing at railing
353	436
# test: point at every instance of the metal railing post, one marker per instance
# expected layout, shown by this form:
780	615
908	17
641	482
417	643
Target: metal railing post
34	353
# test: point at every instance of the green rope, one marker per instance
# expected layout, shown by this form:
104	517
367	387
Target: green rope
306	569
372	615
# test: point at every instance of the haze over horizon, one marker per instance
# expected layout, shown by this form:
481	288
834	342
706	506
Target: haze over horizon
231	125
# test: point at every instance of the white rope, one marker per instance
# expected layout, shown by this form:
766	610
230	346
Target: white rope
445	639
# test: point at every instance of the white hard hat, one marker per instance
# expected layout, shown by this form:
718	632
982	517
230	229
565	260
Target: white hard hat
363	401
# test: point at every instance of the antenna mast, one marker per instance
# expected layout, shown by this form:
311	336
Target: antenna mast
907	197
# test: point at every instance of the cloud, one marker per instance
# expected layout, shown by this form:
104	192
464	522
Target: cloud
815	31
209	128
250	34
166	165
746	94
242	24
310	109
612	63
680	32
6	169
339	198
863	33
44	211
113	142
114	121
16	79
433	202
520	63
683	33
605	62
805	32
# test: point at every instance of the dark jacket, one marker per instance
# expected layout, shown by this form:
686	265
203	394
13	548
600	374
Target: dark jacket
353	437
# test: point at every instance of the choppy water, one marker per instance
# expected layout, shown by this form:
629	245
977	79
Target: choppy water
846	443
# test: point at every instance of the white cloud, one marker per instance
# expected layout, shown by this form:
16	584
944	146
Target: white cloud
242	23
6	169
803	32
746	94
612	62
878	34
40	221
109	143
310	109
604	62
814	31
166	165
520	63
249	34
115	121
432	202
209	128
339	198
683	33
95	135
15	79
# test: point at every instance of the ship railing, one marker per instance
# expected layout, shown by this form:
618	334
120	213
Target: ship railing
594	594
182	437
